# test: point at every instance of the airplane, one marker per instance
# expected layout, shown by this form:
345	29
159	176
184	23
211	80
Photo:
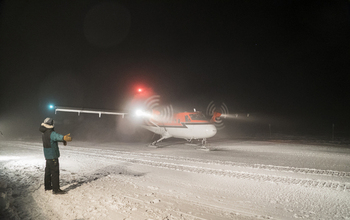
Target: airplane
187	125
162	121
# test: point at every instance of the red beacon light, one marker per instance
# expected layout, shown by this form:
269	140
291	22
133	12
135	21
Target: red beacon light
139	90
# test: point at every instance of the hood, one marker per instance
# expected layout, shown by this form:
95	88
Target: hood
43	128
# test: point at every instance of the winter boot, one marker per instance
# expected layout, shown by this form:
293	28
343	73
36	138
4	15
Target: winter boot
59	191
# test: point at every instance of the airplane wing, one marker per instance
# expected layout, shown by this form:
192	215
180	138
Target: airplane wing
89	111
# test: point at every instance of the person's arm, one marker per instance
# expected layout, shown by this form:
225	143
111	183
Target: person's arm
57	137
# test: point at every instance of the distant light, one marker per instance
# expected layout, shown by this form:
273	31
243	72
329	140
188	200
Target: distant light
140	90
51	106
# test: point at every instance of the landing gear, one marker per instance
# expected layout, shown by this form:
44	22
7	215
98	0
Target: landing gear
203	145
191	142
154	144
199	144
203	148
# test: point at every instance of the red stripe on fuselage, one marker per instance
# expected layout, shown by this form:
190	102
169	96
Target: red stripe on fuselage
179	125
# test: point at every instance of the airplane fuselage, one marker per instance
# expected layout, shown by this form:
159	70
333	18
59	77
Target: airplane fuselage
186	130
187	125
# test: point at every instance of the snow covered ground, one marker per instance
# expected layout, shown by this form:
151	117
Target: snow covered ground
236	179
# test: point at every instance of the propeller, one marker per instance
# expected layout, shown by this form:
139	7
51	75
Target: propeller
152	102
212	108
164	114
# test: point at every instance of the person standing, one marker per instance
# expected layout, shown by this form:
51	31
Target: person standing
51	152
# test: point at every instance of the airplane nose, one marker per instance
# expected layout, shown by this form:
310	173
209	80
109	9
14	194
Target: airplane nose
211	130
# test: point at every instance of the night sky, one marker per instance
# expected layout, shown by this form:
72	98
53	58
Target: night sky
282	58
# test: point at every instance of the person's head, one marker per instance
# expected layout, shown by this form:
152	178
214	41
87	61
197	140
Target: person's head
48	123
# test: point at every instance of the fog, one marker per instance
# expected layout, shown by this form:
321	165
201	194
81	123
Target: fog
284	63
91	127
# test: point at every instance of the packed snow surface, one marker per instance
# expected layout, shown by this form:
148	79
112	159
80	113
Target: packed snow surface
235	179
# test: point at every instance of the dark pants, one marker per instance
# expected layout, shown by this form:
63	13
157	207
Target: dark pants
52	175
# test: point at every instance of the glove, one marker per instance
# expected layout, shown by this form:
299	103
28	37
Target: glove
67	137
65	143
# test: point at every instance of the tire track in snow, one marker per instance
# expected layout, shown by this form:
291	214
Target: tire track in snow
230	163
340	186
206	161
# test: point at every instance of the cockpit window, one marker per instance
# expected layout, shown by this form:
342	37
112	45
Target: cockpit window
198	116
187	119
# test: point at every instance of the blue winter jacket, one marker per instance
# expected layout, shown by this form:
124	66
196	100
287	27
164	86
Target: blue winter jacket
50	142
